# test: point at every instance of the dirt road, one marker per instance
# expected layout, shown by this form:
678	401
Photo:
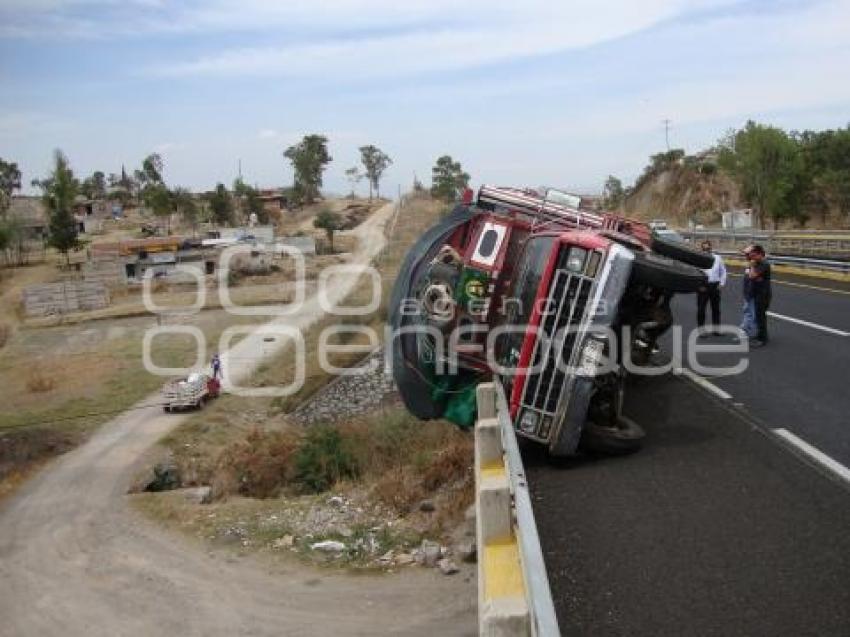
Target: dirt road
75	560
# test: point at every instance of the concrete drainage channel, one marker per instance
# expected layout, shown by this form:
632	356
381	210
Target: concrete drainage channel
513	588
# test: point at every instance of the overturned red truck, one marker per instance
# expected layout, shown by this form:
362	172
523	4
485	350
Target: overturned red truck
549	299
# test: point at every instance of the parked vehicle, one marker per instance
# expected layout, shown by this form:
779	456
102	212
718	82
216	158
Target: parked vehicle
670	235
190	392
545	298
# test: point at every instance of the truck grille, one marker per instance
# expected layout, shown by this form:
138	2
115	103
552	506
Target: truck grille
568	297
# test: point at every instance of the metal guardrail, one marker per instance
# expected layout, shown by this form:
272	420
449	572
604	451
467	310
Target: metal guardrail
514	597
824	265
805	243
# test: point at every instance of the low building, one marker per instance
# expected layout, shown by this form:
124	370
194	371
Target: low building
228	236
274	200
130	261
31	214
741	219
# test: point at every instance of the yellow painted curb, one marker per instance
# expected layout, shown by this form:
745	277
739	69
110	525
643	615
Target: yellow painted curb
502	570
494	469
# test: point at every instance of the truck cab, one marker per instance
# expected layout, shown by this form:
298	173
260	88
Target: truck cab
529	289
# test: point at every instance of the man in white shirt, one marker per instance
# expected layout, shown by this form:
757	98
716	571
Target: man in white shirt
711	292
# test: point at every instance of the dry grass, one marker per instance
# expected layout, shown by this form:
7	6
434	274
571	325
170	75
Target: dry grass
247	448
259	465
5	331
40	380
12	283
401	460
22	452
86	382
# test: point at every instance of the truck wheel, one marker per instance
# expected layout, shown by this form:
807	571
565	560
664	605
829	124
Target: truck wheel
410	373
626	437
666	274
681	252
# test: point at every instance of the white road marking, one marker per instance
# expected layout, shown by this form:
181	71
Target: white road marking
815	454
815	326
702	382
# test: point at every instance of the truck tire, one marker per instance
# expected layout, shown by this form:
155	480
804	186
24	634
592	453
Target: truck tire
666	274
682	252
626	437
409	373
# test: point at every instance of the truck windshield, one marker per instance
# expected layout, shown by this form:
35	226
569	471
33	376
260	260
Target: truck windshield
518	305
520	302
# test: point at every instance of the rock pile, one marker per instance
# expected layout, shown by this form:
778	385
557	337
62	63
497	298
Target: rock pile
350	395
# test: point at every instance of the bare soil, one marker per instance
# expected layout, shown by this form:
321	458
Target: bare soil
75	559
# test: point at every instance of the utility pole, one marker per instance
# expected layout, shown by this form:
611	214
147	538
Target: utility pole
666	123
239	194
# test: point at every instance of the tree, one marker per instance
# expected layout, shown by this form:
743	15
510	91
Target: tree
354	176
58	193
375	161
309	158
151	172
330	222
123	186
768	167
184	204
614	193
826	158
448	179
94	187
10	181
221	205
13	240
249	200
6	237
158	200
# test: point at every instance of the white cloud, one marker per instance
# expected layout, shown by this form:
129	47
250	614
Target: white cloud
328	18
166	147
502	31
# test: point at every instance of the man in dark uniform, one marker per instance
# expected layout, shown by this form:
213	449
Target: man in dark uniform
759	280
709	294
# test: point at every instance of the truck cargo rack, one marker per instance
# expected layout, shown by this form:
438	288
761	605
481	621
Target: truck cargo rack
540	208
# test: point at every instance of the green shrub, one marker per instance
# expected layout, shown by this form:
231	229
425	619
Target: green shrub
323	458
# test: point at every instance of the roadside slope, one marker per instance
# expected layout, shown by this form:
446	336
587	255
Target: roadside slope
75	560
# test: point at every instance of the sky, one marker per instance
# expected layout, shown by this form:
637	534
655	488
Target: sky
560	93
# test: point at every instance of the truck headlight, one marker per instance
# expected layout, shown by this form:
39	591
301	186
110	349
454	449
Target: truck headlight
591	356
528	421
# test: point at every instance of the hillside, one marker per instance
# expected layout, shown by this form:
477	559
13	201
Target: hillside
688	188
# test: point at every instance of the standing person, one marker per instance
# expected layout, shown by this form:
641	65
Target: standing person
759	277
216	366
748	320
710	293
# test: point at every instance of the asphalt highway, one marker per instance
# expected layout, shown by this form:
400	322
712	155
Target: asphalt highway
719	525
801	380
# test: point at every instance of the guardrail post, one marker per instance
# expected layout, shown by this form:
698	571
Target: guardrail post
493	492
502	607
485	396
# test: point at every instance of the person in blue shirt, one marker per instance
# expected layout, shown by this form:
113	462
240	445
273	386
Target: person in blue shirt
748	318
